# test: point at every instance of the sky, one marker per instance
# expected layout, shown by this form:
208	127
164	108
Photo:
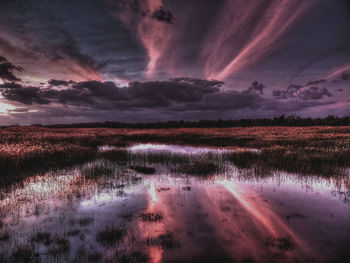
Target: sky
69	61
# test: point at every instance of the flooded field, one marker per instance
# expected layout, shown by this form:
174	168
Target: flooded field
170	203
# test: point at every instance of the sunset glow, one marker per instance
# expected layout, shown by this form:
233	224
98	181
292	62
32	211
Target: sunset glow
163	131
149	47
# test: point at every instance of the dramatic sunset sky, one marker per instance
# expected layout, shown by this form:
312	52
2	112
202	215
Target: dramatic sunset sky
64	61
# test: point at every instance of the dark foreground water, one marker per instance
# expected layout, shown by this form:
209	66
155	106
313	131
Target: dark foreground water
147	208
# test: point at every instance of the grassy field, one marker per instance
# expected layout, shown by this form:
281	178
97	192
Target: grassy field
319	150
144	185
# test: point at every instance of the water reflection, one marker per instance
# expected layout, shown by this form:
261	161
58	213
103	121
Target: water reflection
176	149
108	210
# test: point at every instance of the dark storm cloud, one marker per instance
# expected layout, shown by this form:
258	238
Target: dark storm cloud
244	40
140	9
290	92
303	93
163	15
2	59
25	95
55	82
219	101
10	85
315	82
174	90
108	95
7	70
256	87
172	97
345	76
315	93
153	94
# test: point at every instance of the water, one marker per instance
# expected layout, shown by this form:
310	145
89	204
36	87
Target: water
170	148
111	211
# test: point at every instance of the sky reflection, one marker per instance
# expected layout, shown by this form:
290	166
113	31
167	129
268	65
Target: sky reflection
170	216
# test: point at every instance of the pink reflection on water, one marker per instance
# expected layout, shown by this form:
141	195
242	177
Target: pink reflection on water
261	211
175	149
147	230
213	217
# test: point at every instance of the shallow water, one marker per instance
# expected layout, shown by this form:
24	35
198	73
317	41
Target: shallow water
110	211
170	148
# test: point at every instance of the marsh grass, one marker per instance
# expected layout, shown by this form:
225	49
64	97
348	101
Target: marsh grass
310	150
193	164
144	169
200	168
60	246
4	237
110	236
74	232
116	172
303	161
134	257
151	217
164	241
288	158
86	221
44	238
140	159
98	169
106	174
94	257
25	150
24	254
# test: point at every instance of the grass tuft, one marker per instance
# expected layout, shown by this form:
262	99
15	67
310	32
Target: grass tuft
110	236
151	217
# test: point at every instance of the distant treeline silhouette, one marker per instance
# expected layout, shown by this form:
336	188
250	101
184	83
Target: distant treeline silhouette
283	120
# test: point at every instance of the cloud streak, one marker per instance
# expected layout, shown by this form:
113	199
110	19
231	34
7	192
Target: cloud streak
127	58
150	21
277	18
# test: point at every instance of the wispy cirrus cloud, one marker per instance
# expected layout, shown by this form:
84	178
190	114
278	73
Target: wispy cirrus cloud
151	22
114	58
262	23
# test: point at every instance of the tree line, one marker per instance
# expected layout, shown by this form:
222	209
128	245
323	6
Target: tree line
283	120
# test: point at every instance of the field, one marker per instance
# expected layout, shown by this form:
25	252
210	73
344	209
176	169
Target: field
321	150
258	194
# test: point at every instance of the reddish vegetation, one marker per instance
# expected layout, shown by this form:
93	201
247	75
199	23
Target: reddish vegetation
32	146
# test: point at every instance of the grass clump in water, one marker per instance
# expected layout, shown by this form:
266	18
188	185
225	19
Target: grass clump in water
73	232
134	257
24	254
144	169
60	246
97	170
43	238
200	167
164	241
86	221
151	217
4	237
94	257
110	236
